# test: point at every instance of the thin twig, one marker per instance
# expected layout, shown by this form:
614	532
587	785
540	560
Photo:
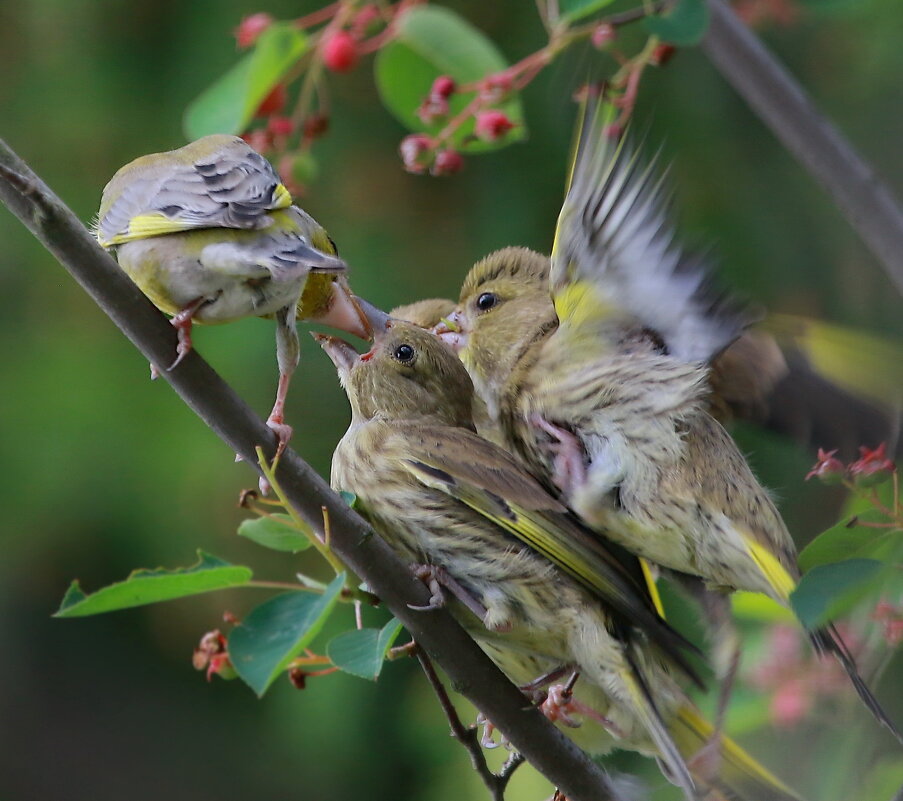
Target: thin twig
467	736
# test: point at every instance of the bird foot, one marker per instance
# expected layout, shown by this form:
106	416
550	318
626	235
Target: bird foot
438	580
560	706
487	738
182	322
569	469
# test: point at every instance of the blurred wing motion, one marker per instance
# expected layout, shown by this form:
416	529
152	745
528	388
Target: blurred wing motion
501	492
615	252
215	182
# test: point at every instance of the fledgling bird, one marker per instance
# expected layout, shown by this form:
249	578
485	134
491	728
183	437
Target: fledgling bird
209	233
596	369
442	496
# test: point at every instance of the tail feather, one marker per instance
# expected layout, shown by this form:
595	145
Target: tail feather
645	708
828	640
740	777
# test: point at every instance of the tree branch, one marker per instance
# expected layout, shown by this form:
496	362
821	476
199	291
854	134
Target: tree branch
470	670
771	91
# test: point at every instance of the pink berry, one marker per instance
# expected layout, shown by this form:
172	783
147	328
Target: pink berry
447	162
416	152
340	52
443	86
603	35
280	126
433	109
492	125
827	469
250	28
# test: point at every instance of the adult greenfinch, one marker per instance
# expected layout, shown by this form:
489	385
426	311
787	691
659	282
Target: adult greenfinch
534	588
596	368
209	233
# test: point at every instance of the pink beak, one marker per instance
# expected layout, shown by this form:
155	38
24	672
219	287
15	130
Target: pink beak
451	331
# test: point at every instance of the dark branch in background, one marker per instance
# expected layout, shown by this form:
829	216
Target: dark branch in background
495	783
782	103
470	670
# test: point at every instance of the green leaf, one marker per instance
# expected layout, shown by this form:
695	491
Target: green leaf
844	541
278	532
152	586
434	41
755	606
229	104
275	632
571	10
362	652
828	591
684	25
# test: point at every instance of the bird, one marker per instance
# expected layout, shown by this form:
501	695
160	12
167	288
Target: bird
595	365
210	235
535	589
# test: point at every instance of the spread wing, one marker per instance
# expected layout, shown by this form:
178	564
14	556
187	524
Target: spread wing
488	480
615	251
217	181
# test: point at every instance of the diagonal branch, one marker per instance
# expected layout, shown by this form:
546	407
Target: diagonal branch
771	91
469	669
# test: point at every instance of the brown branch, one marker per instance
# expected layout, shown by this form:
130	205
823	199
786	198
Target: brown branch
470	670
773	93
467	735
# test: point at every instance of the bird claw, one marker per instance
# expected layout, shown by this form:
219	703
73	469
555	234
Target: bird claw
569	470
283	433
437	580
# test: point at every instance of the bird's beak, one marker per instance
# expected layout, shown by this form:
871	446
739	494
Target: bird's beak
343	355
347	312
451	331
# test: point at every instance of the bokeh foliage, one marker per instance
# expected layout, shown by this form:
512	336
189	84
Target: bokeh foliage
104	471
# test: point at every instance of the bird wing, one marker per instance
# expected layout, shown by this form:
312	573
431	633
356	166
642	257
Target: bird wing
489	481
615	251
218	181
286	250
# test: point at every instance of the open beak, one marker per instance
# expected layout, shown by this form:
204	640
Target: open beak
343	355
450	330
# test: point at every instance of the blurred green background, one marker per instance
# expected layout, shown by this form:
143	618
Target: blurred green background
104	471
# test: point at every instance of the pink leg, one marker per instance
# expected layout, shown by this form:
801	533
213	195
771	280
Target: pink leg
182	322
276	419
570	469
560	705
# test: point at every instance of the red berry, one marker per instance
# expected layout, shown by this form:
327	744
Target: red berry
492	125
280	126
447	162
443	86
827	469
872	467
603	35
251	27
662	54
273	103
340	52
316	125
416	152
496	87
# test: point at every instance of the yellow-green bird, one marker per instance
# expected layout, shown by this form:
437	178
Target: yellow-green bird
596	369
534	588
209	233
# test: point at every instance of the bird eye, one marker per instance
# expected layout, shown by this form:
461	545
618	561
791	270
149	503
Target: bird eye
487	300
404	353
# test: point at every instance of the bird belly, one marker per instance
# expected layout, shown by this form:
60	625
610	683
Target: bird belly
172	277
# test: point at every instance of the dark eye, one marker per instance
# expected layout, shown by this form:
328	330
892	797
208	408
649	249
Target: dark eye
404	353
487	300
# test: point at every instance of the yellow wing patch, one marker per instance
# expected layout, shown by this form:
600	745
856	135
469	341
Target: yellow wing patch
579	303
775	573
653	588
